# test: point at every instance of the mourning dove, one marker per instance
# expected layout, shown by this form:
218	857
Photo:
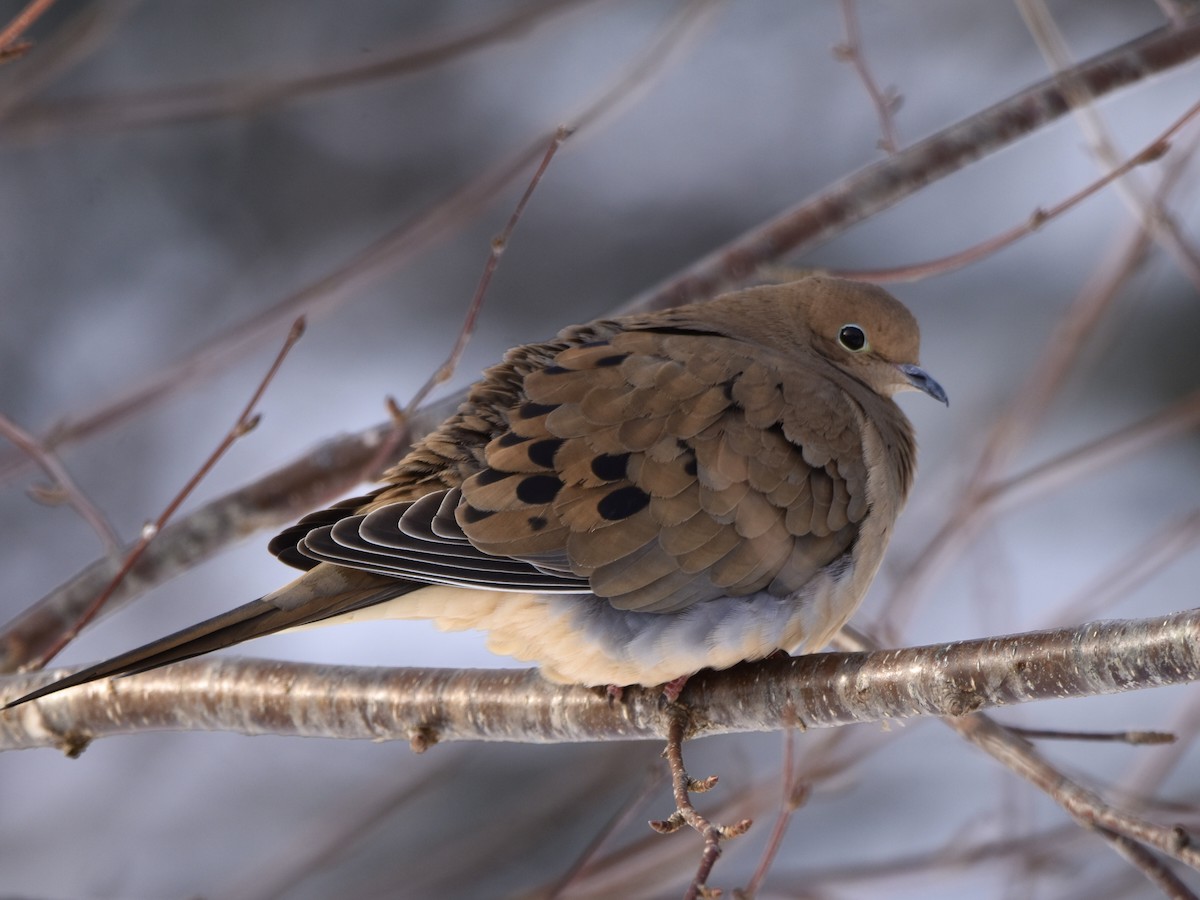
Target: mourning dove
638	499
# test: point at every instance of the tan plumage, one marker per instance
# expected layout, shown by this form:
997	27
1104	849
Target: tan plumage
633	501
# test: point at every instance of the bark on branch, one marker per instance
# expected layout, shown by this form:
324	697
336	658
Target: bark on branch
425	706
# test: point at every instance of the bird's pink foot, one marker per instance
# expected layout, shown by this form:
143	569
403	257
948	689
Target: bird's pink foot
672	688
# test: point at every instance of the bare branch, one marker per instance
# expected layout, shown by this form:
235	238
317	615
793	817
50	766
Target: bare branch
1150	212
885	102
245	423
326	471
11	43
437	705
1084	806
378	259
885	183
249	94
1148	864
499	243
64	488
1152	152
682	787
1104	737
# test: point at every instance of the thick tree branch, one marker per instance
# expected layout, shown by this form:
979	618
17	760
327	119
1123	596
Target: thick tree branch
425	706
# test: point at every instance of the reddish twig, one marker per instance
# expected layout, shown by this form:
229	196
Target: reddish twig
1028	405
888	181
309	481
65	488
1152	214
499	245
374	261
245	423
1178	418
885	102
10	36
1152	152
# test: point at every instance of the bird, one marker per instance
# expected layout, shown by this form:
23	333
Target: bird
636	500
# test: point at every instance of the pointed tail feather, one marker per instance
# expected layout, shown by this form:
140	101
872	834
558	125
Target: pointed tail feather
320	594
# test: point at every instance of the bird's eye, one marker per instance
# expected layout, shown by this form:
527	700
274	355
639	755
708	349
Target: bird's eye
852	338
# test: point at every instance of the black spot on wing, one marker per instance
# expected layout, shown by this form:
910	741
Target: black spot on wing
623	503
511	439
538	489
610	466
491	476
533	410
541	453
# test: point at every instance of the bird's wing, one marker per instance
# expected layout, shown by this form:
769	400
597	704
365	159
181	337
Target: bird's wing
655	469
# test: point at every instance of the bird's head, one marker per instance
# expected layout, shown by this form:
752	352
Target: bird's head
859	327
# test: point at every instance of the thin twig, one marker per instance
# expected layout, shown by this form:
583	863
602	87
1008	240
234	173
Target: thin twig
885	102
1138	738
890	180
332	840
1177	419
65	488
1151	213
499	245
1145	777
1083	805
250	94
1148	864
73	41
1150	153
20	23
245	423
957	855
1087	808
378	259
1028	405
1034	483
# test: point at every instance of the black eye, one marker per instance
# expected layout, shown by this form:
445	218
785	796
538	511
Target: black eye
852	338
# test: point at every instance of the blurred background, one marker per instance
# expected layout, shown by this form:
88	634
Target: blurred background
158	190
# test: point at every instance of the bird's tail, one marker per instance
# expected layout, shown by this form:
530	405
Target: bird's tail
321	593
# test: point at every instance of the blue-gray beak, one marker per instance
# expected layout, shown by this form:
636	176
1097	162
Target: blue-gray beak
923	382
